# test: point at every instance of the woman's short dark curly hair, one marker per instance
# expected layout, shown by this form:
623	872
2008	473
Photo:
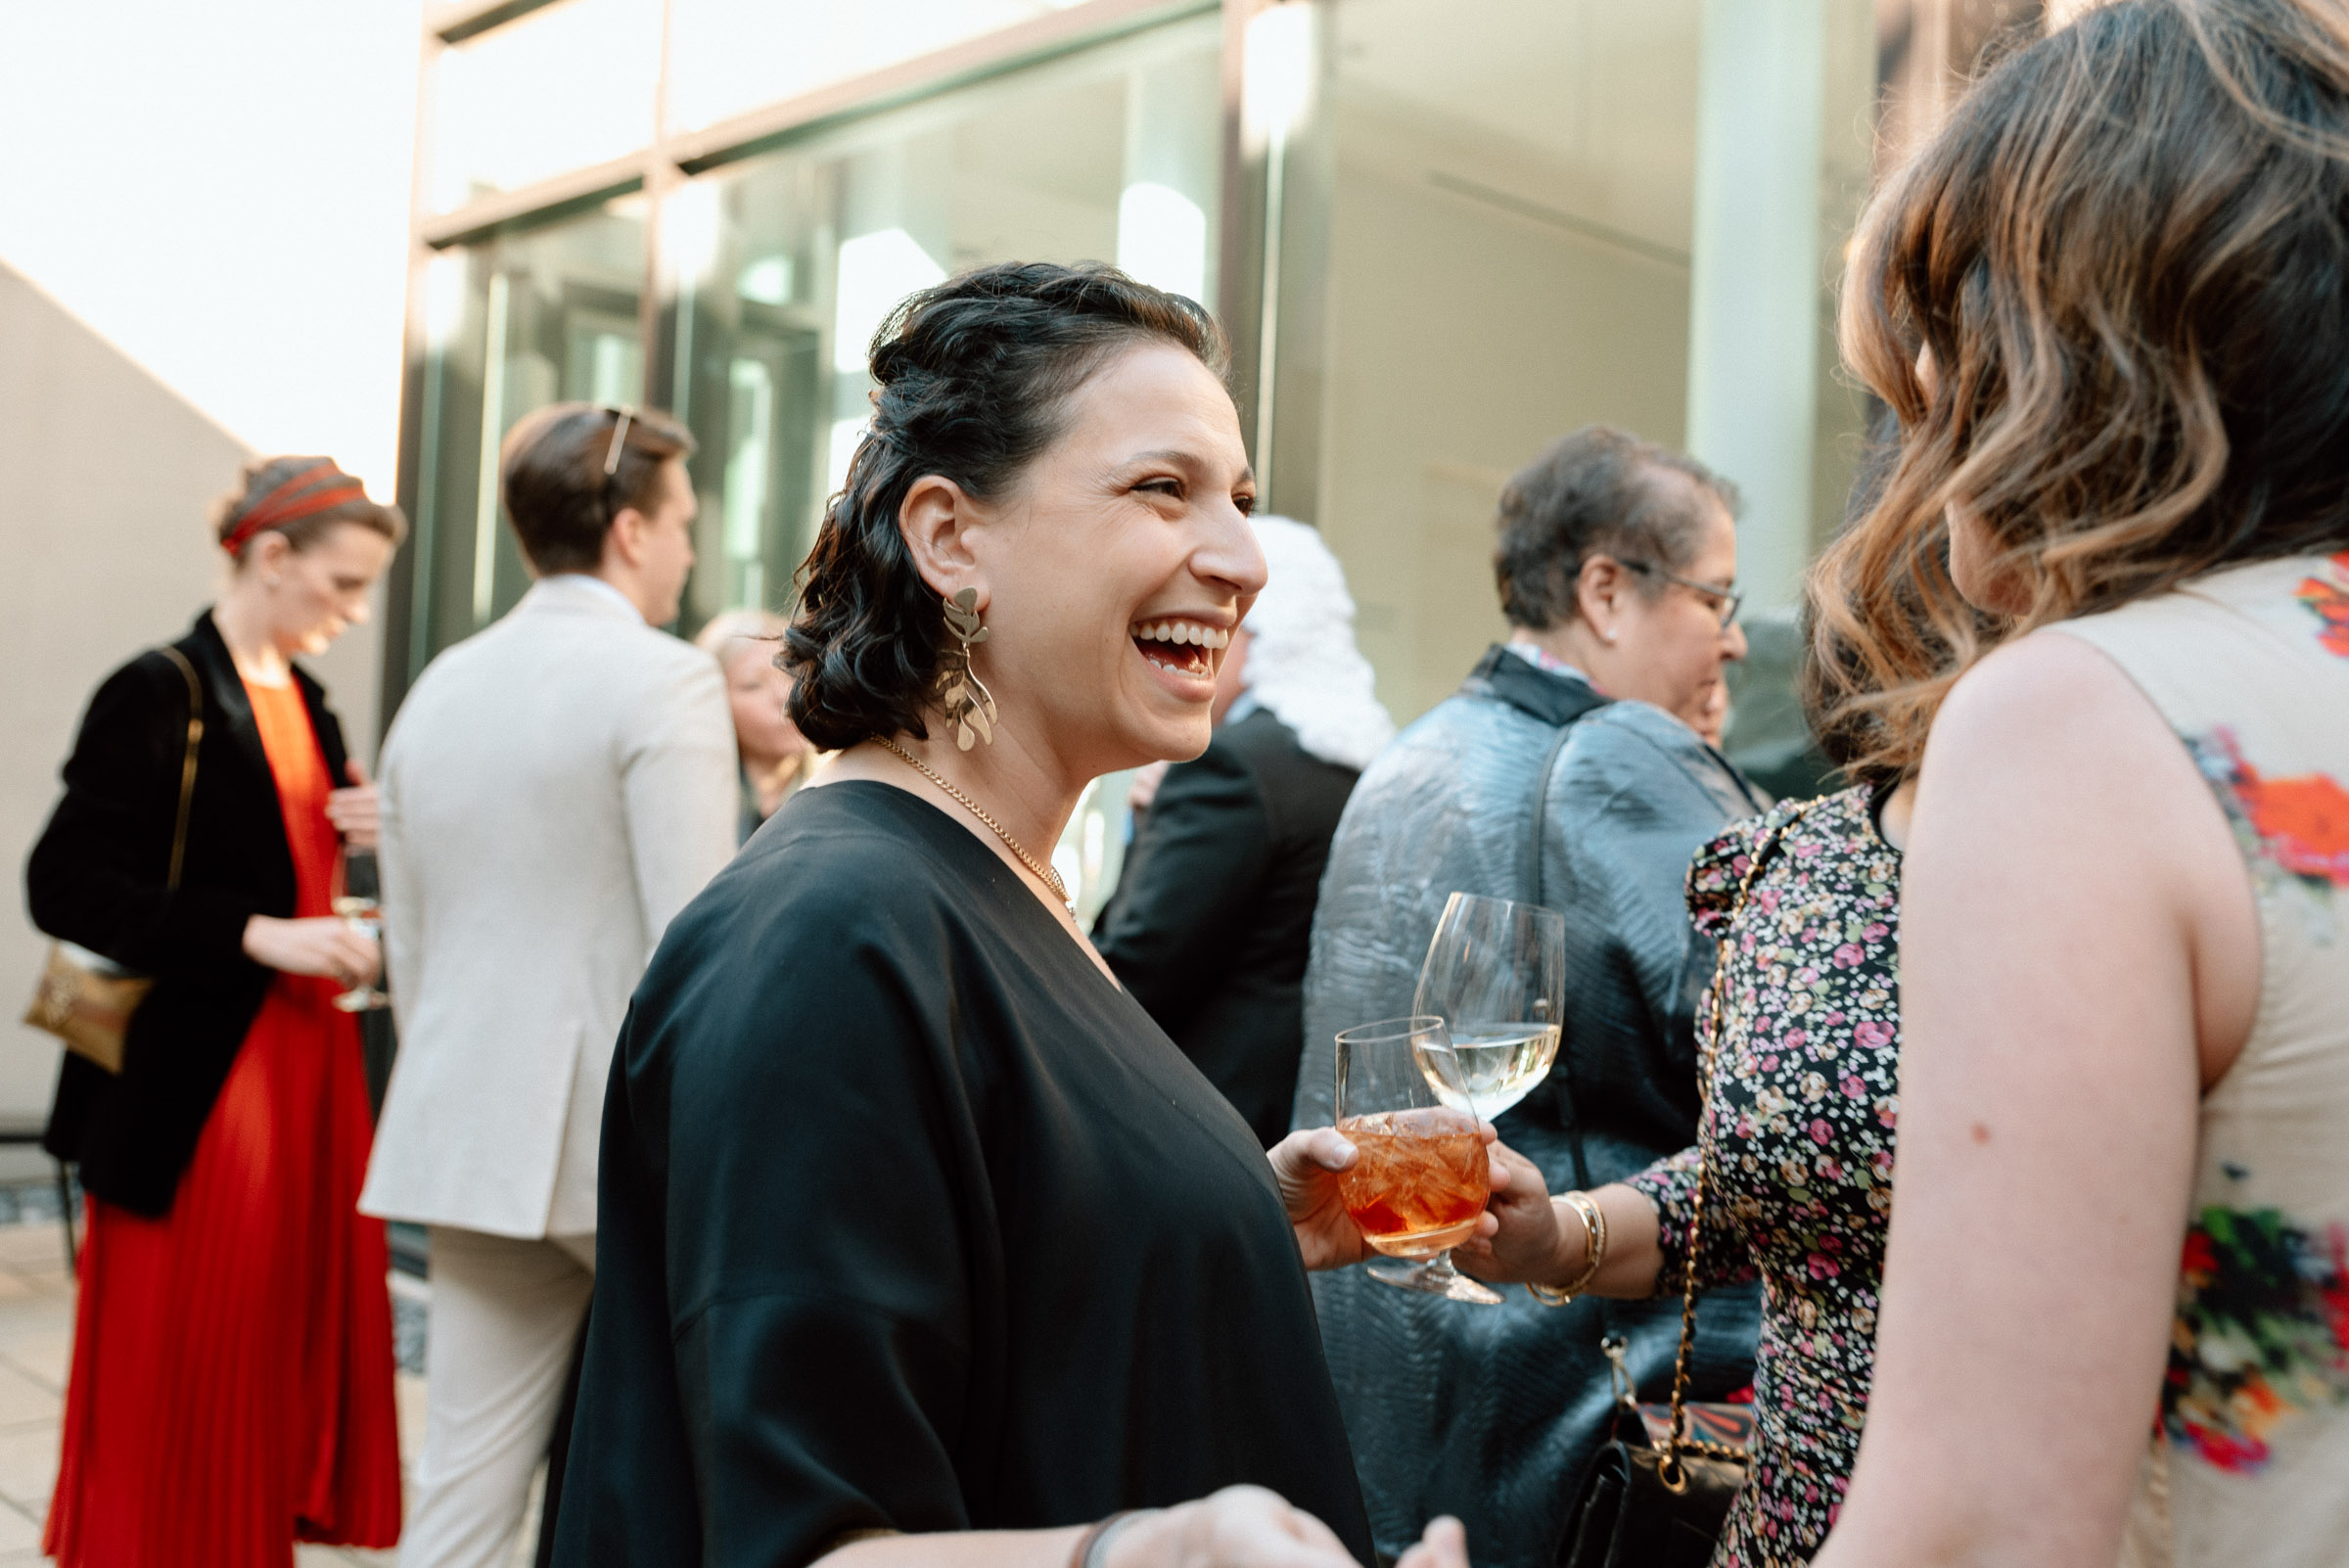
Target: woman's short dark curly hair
974	377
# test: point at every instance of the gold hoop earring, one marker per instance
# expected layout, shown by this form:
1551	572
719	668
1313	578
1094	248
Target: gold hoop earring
969	706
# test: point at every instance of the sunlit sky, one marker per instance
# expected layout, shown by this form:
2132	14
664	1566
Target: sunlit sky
221	189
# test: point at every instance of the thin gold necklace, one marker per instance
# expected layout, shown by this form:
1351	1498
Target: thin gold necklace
1044	873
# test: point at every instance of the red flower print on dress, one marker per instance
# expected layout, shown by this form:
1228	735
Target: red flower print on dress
2262	1332
2300	823
2330	602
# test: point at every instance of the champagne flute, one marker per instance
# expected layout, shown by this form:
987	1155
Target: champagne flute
1496	973
1422	1178
357	895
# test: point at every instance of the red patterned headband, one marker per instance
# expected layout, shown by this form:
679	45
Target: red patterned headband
277	508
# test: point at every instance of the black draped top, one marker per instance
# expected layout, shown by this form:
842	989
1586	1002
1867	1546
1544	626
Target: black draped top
911	1220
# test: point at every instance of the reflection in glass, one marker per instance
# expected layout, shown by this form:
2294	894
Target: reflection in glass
566	86
1518	193
729	56
787	265
512	325
1510	239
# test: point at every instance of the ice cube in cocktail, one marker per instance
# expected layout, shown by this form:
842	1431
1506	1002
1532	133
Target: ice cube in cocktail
1420	1183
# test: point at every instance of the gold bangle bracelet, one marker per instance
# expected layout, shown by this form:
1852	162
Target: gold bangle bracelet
1594	1252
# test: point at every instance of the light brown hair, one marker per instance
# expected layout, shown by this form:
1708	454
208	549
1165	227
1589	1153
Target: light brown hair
2126	261
551	477
266	477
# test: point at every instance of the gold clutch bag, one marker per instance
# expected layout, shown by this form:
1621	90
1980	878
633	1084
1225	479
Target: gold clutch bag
86	999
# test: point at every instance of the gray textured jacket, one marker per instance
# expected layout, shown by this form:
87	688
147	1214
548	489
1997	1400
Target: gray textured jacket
1492	1412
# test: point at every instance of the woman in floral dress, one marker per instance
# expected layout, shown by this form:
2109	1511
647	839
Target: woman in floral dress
1802	1085
1802	1100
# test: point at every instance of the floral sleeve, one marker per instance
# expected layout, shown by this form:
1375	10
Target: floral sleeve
1670	1184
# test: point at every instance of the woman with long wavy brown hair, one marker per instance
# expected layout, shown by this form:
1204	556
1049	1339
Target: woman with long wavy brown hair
2109	304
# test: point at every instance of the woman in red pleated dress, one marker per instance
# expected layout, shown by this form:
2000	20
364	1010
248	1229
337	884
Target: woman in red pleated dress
231	1388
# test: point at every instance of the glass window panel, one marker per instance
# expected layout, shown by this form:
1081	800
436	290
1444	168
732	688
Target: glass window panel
729	55
789	262
564	87
526	319
1507	239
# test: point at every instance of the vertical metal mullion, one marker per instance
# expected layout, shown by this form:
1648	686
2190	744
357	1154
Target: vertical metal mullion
493	430
661	176
408	595
1267	315
1239	286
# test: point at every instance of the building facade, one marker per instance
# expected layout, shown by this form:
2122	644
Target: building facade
1440	233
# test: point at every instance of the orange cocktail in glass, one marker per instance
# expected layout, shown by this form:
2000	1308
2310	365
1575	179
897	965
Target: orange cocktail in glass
1423	1172
1420	1183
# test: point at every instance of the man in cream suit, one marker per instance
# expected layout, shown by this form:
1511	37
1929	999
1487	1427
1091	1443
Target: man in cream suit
554	790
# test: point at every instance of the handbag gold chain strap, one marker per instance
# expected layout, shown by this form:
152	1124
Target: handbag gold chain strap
187	767
88	1008
1669	1469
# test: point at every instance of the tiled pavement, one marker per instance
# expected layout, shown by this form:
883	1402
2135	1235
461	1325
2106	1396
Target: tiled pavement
36	1336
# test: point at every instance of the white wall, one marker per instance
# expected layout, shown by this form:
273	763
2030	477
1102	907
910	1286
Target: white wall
221	190
202	254
1466	338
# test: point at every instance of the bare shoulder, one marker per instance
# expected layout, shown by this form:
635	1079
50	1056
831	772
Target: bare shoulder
2037	689
2049	769
2056	718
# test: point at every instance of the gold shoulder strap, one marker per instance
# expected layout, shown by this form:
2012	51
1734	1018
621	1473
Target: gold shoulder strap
187	767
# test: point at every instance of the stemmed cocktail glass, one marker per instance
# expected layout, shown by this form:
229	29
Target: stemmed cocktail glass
1496	973
357	897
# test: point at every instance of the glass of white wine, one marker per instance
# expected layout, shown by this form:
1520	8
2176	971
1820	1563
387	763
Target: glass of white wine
1496	973
356	897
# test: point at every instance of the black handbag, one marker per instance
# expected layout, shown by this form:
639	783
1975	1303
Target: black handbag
1658	1495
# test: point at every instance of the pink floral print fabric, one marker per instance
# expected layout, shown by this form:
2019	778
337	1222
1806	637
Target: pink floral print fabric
1802	1106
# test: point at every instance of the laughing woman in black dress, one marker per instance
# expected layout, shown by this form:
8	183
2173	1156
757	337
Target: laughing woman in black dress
912	1222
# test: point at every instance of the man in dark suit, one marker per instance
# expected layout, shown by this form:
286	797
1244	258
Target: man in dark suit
1212	916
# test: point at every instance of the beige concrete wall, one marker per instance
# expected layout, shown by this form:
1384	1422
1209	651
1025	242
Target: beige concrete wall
102	551
1464	336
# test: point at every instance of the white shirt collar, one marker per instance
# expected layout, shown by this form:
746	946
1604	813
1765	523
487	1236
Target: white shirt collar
1542	658
590	581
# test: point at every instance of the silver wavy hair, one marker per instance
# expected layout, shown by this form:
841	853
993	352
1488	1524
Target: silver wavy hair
1302	664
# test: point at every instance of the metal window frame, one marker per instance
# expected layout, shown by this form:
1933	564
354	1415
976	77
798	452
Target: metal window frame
670	159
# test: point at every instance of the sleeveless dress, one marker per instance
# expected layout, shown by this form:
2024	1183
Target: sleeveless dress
2249	1462
1803	1097
231	1387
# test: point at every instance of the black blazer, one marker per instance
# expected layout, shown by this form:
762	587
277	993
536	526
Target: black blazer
1213	917
98	877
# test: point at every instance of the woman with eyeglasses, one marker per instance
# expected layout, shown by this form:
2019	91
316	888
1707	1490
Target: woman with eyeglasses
1800	1070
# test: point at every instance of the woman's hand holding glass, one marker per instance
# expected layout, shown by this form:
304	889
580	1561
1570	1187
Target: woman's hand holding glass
326	945
1308	1163
1528	1237
1540	1240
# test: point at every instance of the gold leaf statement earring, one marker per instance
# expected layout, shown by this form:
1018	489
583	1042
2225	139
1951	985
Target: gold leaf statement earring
969	704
